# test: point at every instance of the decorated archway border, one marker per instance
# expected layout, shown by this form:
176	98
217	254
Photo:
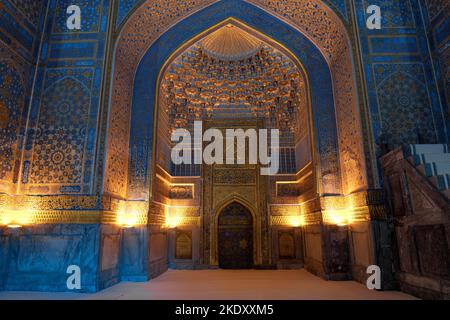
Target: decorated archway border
315	69
305	107
317	21
310	26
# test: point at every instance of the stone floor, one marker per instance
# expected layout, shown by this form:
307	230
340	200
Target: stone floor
225	285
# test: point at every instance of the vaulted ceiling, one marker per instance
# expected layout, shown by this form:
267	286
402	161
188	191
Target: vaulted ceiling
230	74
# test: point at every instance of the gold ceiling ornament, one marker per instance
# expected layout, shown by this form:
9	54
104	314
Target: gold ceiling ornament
267	84
230	43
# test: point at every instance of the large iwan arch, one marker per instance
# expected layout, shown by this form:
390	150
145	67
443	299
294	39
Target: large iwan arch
330	187
311	30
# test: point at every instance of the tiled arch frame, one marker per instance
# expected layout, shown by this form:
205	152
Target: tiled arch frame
310	29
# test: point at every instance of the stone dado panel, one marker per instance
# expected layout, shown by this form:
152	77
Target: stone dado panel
39	256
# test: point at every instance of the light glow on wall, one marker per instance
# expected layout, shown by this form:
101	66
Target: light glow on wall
173	222
16	218
338	217
174	216
14	226
127	219
297	221
338	211
130	214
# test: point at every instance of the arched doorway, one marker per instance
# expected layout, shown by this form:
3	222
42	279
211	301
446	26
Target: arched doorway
235	243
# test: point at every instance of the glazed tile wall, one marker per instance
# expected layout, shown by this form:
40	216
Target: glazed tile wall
150	22
125	8
436	14
403	98
20	25
61	144
321	79
60	150
330	35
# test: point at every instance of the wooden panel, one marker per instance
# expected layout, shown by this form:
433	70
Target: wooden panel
432	250
397	195
235	238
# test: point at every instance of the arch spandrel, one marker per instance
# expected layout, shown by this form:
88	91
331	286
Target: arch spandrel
145	27
314	64
321	24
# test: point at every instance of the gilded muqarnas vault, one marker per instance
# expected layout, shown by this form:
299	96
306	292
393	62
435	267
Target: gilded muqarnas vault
86	118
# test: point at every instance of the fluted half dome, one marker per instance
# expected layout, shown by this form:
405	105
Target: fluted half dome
230	43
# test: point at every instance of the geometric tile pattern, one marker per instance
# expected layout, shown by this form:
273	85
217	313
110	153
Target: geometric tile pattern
59	154
340	5
149	22
30	8
90	15
328	33
213	15
385	60
12	101
125	7
438	34
435	7
160	15
60	137
18	39
405	110
395	14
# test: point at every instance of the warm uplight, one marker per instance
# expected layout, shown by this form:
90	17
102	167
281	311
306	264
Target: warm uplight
340	218
173	222
14	226
127	219
336	217
338	211
175	216
16	218
297	221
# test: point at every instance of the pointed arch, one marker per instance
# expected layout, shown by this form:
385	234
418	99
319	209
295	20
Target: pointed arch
155	30
256	223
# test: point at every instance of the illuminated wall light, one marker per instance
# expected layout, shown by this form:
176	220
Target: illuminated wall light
334	217
128	220
338	211
121	216
340	218
174	222
298	218
297	221
15	219
14	226
128	215
174	216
